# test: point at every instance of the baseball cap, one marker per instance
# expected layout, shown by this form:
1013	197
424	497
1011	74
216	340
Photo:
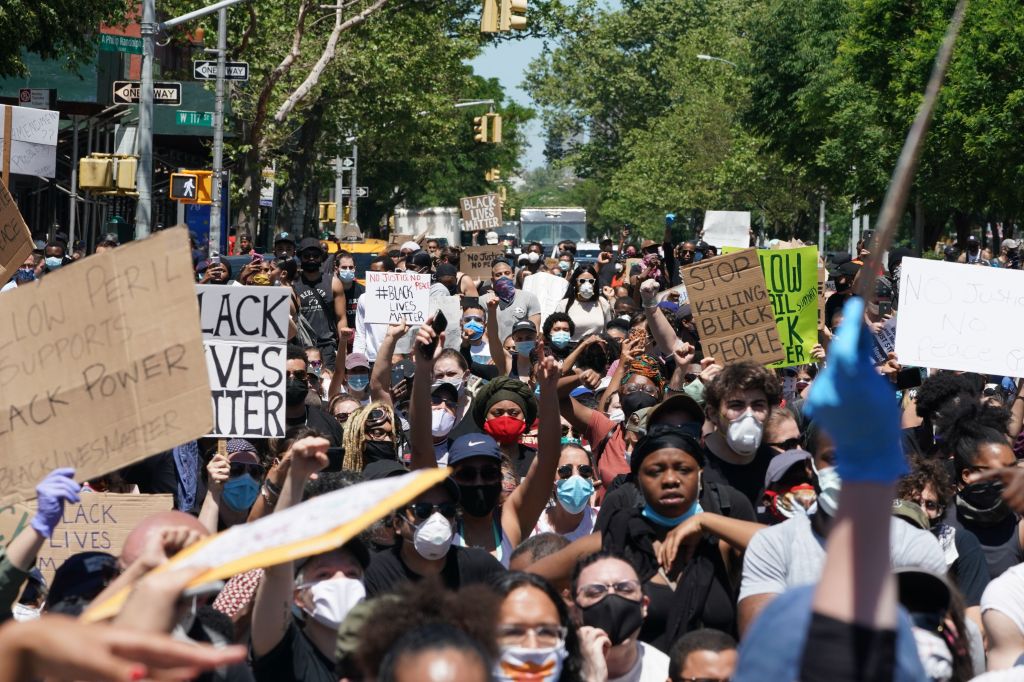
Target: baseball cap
284	237
109	239
443	387
579	391
310	243
383	468
647	243
912	513
473	445
669	307
524	326
637	422
677	401
446	270
972	239
841	257
411	245
491	237
353	360
242	451
83	575
1010	244
420	259
781	463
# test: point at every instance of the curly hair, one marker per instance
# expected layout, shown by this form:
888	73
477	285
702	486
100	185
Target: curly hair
552	319
355	434
923	473
938	390
743	376
970	425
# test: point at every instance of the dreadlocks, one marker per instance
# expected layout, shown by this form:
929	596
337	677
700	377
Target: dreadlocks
355	433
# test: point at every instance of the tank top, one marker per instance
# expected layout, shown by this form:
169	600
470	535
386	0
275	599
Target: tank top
316	303
503	546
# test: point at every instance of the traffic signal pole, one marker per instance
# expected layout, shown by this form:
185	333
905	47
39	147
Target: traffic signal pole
218	133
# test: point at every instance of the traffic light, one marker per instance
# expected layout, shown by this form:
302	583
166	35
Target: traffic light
493	175
96	172
495	127
489	17
328	212
513	15
480	128
125	167
192	186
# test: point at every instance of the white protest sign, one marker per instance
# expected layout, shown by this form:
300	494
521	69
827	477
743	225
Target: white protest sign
727	228
392	297
33	141
961	317
549	290
245	332
885	341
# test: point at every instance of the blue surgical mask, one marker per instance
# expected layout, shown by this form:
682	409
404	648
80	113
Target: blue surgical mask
240	492
560	339
668	521
53	262
358	382
476	329
563	265
524	347
573	493
347	275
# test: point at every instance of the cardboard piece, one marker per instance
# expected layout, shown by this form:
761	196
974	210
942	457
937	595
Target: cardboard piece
313	527
99	523
476	261
15	237
481	212
549	290
245	334
392	297
399	239
732	310
727	228
958	317
101	364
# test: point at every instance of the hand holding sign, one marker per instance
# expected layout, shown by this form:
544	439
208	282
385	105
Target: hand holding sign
52	493
219	471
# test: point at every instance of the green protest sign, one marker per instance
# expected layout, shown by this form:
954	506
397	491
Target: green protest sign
791	278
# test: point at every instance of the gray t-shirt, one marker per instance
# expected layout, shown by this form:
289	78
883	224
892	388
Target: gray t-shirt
790	554
524	305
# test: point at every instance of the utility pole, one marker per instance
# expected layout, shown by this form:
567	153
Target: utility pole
339	184
216	206
821	228
353	183
144	174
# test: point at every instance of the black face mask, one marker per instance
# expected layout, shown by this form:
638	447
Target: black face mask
982	503
378	450
295	392
617	616
479	500
636	401
310	266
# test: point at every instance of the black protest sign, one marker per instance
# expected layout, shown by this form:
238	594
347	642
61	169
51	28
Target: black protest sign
245	332
481	213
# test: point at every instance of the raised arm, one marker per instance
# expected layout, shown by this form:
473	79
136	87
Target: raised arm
217	473
340	374
380	377
661	328
502	359
419	403
340	304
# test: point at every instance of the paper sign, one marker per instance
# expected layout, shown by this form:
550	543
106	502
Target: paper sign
15	237
101	364
727	228
33	140
481	213
549	290
677	294
476	261
313	527
885	341
245	334
732	310
392	297
100	523
960	317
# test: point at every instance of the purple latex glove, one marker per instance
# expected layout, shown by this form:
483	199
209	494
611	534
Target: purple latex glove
52	493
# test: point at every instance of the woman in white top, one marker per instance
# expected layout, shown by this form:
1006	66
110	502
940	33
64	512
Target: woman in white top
572	515
584	304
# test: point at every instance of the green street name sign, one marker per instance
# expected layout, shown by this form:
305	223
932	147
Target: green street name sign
202	119
113	43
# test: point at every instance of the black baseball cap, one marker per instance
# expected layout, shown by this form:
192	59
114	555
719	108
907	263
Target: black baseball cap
284	237
310	243
82	575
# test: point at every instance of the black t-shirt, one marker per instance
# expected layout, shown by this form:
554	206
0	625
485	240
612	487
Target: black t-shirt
1000	541
352	302
462	566
844	652
969	570
716	497
317	418
294	658
316	304
747	478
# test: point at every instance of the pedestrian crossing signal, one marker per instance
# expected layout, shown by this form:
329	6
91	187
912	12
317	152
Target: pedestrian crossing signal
192	187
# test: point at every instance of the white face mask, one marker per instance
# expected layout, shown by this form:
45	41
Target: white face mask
441	422
616	415
457	382
519	663
333	599
744	434
830	485
24	613
433	537
618	267
533	257
586	290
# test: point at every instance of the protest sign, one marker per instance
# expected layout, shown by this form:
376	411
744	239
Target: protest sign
101	364
732	310
313	527
549	290
398	239
822	278
727	228
885	342
245	332
630	264
676	294
394	297
15	237
32	147
481	213
958	317
99	523
476	261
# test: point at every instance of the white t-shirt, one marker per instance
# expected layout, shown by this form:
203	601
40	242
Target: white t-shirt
1005	594
651	666
790	554
588	316
586	526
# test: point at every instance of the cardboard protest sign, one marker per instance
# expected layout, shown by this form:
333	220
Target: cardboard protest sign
99	523
481	213
732	310
399	239
727	228
101	364
476	261
960	317
313	527
392	297
15	237
245	334
549	290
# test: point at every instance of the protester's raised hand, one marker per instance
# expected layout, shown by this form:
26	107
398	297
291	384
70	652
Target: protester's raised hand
891	367
649	292
400	391
709	370
161	545
684	354
608	293
547	369
426	336
818	353
1012	479
604	258
309	455
631	348
397	331
218	471
590	379
152	604
492	305
849	395
63	648
52	493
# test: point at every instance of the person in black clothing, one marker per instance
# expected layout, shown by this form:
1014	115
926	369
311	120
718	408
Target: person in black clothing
321	299
297	412
350	287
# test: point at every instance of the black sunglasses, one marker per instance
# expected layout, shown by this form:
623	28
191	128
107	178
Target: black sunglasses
584	470
238	468
448	402
424	510
788	444
469	474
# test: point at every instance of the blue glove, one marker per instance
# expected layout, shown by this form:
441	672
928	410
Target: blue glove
856	405
670	219
52	493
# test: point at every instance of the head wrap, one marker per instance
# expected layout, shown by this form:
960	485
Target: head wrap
645	366
665	438
504	388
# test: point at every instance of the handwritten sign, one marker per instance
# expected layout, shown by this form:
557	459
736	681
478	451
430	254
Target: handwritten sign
727	228
101	364
481	213
15	237
245	332
33	140
549	290
885	341
476	261
99	523
313	527
732	310
959	317
392	297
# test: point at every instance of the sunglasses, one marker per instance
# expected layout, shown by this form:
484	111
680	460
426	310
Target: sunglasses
299	374
486	472
447	402
584	470
315	363
342	417
238	468
424	510
788	444
690	377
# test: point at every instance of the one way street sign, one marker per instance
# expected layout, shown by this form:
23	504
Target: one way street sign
127	92
361	192
206	70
